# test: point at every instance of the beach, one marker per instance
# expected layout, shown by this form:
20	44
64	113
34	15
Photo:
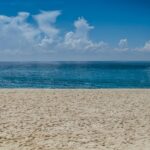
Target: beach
49	119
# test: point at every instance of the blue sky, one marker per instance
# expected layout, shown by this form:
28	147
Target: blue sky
75	30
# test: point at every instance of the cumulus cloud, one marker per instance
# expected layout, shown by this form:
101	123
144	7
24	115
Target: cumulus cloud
122	45
147	46
46	24
20	36
82	28
16	33
79	39
39	35
46	21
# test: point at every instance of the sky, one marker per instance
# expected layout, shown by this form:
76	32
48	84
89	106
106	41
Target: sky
77	30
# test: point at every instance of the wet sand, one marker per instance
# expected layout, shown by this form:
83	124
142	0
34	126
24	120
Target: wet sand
104	119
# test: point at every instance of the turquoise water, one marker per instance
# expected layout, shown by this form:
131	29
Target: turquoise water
75	75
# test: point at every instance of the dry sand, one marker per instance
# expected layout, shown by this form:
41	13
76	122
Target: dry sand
74	119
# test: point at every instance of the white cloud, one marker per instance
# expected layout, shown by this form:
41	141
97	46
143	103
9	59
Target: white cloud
16	33
82	28
79	39
46	24
46	21
147	46
20	36
122	45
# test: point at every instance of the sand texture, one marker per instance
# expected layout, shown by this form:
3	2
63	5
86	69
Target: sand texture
74	119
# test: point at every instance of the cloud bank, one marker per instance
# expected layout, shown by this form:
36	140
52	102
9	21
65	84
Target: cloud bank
21	36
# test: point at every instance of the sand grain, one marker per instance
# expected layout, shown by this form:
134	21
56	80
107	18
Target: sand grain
74	119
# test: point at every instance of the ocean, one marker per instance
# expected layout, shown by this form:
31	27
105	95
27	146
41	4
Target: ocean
90	75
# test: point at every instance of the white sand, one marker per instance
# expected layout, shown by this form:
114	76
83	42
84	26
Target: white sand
74	119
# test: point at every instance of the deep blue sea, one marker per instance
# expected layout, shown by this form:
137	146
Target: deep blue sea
74	74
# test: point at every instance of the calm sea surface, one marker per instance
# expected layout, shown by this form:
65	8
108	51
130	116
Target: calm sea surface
75	75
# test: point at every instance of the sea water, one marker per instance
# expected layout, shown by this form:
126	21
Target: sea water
75	74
